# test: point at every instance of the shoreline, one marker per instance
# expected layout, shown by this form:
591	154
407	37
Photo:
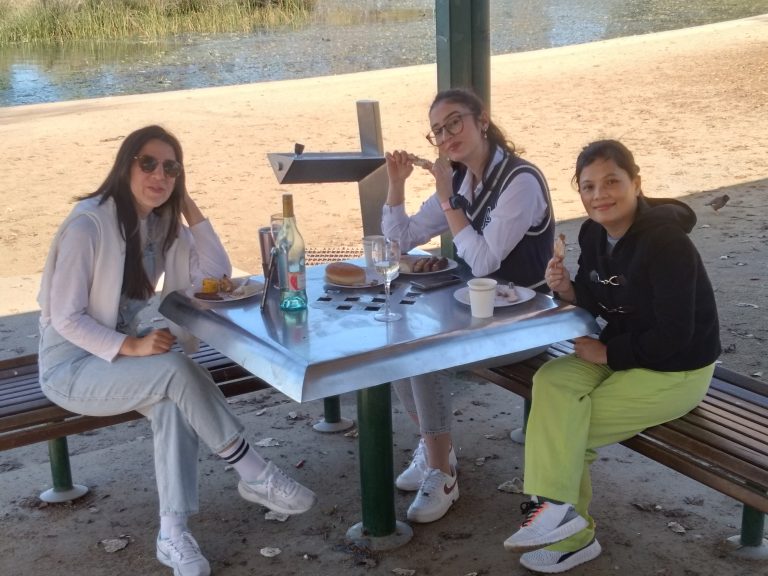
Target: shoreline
692	104
546	53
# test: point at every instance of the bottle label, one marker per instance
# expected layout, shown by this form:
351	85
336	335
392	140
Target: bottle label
296	281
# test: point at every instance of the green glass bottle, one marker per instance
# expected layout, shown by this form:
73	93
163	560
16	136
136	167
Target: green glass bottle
291	267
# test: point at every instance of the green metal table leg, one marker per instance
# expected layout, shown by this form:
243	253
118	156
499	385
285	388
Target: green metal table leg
752	527
63	490
518	434
379	529
750	543
332	420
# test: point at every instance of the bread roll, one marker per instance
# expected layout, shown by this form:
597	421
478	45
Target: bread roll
344	274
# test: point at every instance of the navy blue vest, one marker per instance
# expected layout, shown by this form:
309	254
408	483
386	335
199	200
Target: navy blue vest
526	263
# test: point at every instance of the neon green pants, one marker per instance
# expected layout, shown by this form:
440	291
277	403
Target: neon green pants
579	406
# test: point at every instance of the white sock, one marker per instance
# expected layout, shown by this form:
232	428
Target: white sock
248	463
172	526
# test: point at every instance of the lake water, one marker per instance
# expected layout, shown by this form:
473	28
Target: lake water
341	37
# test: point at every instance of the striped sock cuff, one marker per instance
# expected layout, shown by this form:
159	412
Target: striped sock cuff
234	456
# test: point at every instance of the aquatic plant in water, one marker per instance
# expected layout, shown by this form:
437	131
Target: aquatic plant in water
62	20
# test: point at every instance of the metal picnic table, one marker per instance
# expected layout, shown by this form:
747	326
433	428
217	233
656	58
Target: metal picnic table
335	346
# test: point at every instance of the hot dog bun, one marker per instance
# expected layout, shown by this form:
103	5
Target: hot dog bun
344	274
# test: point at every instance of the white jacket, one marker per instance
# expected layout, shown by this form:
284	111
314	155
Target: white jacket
83	276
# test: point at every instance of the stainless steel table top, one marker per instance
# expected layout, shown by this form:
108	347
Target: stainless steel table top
336	345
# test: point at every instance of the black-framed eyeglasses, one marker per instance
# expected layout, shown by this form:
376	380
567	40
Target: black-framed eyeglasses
452	127
148	164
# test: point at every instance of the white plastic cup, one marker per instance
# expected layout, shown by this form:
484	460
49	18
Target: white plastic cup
368	242
482	295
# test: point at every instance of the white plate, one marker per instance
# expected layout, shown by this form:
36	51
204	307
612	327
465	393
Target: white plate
411	258
372	279
523	295
244	288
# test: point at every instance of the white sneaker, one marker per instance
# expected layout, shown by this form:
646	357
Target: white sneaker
277	492
412	477
545	523
436	495
183	555
550	562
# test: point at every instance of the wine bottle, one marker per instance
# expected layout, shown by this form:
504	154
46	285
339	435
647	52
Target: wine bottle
291	269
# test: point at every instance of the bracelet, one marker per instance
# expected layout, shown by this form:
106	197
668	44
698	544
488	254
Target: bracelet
446	205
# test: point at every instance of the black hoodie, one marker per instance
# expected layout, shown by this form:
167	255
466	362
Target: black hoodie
652	290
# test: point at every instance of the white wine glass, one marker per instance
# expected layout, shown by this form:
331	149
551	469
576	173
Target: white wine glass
386	260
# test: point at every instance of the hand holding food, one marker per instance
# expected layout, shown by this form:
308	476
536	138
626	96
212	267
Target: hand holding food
558	278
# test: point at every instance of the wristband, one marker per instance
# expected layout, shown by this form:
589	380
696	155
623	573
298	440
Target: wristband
446	205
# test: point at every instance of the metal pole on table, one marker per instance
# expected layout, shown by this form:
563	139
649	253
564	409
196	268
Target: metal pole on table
379	529
368	170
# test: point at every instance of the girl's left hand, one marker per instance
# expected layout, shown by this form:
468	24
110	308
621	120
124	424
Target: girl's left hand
443	173
591	350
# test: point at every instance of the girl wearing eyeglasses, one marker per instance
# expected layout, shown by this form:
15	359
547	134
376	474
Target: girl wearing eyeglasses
651	363
497	207
103	267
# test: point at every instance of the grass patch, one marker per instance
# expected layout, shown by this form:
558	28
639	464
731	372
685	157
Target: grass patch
64	20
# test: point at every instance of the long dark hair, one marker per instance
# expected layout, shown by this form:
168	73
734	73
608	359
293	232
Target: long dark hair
606	150
472	101
117	186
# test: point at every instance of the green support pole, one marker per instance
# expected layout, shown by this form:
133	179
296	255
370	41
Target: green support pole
374	410
332	420
463	46
752	527
751	544
63	490
332	409
379	529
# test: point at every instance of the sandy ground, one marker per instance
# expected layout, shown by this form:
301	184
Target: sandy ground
691	104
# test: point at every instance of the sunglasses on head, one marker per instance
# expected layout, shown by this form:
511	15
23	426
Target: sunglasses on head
148	164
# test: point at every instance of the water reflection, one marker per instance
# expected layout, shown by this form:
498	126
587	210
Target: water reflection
342	36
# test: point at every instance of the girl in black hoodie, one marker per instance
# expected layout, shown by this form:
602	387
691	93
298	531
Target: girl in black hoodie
652	362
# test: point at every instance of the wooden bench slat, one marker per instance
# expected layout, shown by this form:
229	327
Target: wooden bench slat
23	406
739	460
735	435
741	382
733	420
752	397
736	401
9	394
737	411
712	477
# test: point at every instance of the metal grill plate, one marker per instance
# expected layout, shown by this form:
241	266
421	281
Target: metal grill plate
313	256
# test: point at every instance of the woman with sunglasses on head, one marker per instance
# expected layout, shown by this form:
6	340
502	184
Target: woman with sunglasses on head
103	266
652	362
497	206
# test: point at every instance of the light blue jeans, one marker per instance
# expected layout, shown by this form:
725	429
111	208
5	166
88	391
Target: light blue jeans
178	396
428	398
